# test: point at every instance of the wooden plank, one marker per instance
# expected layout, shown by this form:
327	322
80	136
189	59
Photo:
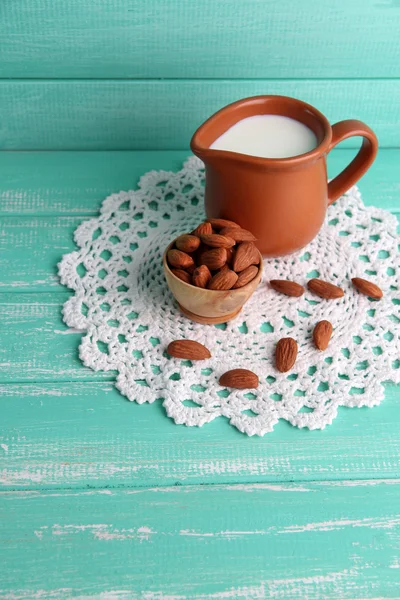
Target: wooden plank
72	183
34	345
85	434
319	540
129	115
31	246
159	38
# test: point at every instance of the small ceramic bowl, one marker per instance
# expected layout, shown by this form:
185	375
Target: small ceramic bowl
209	307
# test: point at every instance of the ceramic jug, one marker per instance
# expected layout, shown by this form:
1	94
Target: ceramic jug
282	201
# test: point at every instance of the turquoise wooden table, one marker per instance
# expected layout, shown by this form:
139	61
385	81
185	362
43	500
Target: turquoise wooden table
103	498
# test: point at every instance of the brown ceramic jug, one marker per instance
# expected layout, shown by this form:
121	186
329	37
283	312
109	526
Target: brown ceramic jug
283	201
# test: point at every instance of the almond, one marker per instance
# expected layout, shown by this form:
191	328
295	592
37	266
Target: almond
214	240
201	276
221	223
188	349
367	288
240	379
285	354
224	268
205	228
179	259
322	334
245	277
214	259
325	290
187	242
199	253
289	288
230	253
183	275
245	255
223	280
238	234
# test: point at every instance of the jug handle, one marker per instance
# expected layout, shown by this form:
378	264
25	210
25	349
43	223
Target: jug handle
360	163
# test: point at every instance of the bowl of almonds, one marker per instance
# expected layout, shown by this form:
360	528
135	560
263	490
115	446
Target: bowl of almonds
213	270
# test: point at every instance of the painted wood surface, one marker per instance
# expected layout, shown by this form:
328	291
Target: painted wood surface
38	348
317	540
199	39
75	434
33	242
102	498
156	114
74	183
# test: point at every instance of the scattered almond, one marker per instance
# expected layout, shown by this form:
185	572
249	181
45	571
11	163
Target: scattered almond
289	288
238	234
221	223
325	290
203	228
322	334
240	379
214	259
215	240
245	255
285	354
183	275
245	277
201	276
188	350
223	280
187	243
367	288
179	259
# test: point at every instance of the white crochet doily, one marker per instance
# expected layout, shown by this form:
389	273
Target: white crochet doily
123	304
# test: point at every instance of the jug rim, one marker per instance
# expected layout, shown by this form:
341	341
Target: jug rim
256	105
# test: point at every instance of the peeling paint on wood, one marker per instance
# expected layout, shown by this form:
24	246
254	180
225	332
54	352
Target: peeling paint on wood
69	331
154	511
85	433
33	350
162	542
75	183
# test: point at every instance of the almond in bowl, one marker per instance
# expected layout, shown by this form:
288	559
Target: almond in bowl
216	276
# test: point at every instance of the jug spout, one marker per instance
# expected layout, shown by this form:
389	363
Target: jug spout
212	129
